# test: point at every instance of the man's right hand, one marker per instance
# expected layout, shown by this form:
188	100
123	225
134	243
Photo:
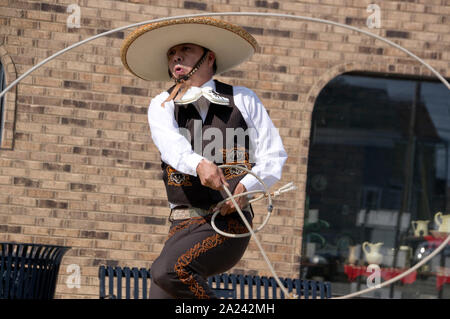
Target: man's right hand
211	175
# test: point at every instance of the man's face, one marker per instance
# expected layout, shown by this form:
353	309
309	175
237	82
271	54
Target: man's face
182	58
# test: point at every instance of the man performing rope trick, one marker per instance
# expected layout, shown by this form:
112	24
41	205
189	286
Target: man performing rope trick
190	125
193	181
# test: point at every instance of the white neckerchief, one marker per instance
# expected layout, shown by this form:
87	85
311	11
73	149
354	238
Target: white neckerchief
194	93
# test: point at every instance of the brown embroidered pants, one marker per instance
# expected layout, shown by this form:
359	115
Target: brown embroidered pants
193	252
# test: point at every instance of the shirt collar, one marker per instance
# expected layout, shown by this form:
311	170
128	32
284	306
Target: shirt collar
207	90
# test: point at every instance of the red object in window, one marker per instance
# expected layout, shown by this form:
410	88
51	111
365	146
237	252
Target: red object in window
353	272
440	280
434	240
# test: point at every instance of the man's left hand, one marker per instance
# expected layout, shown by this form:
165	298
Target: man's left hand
228	207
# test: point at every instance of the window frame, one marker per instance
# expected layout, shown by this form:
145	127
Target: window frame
9	101
2	100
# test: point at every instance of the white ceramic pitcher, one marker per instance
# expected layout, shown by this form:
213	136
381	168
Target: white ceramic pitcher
372	252
443	222
420	227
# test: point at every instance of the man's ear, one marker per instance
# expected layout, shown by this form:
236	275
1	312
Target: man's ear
211	58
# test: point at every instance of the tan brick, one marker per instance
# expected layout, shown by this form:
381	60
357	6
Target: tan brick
77	242
124	236
39	193
57	129
110	226
20	238
39	231
22	201
122	255
58	232
112	189
74	140
54	185
136	228
82	205
108	244
22	220
29	127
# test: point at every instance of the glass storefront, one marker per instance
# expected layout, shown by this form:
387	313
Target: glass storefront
378	174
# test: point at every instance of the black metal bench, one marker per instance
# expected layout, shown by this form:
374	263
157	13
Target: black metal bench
29	271
120	283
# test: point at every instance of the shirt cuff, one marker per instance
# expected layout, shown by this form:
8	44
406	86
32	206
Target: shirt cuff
251	183
191	161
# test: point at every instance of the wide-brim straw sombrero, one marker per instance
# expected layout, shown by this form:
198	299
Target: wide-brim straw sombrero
144	51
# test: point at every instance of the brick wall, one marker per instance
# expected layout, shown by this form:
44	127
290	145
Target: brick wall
78	166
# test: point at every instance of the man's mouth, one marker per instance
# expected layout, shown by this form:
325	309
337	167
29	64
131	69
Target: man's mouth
179	70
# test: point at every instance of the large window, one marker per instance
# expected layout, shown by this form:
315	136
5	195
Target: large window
378	173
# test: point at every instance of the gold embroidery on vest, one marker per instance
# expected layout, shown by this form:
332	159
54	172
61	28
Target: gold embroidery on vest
176	178
237	156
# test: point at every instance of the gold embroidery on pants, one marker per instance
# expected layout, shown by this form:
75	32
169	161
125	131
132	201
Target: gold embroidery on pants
208	243
186	223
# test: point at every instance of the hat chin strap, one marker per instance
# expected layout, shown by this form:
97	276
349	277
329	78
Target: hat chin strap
185	80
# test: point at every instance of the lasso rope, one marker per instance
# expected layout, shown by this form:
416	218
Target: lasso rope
212	14
251	232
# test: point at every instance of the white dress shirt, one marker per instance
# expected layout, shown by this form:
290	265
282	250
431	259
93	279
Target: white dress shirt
177	151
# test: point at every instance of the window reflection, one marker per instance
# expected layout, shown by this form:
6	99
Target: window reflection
378	172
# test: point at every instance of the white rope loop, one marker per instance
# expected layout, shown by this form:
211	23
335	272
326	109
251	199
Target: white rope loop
231	197
211	14
249	227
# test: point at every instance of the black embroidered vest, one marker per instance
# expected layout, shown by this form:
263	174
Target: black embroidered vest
183	189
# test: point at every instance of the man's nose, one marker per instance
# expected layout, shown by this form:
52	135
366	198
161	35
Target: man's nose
177	57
